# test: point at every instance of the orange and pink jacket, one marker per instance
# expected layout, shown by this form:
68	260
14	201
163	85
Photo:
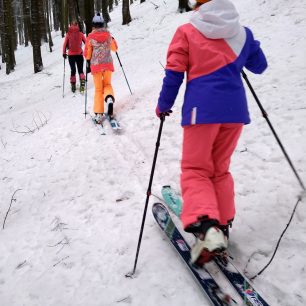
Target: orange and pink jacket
98	47
74	31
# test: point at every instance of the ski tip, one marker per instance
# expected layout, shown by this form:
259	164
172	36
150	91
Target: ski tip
159	208
157	204
166	186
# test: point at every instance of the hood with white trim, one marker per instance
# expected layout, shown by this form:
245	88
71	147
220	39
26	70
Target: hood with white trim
217	19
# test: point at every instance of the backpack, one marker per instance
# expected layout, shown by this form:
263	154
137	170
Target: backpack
74	42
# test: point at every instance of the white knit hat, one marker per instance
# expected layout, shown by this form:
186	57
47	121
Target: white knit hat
97	19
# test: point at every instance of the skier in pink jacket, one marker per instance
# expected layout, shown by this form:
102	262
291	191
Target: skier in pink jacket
73	42
212	49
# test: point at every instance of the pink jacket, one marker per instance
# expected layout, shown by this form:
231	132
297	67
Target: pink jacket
73	41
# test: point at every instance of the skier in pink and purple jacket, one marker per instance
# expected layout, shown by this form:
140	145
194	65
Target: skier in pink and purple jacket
212	49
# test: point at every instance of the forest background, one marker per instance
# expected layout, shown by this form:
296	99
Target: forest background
24	22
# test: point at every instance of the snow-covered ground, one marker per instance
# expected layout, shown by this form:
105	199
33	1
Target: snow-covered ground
72	231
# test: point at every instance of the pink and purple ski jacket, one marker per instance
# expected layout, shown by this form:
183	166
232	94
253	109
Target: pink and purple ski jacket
213	49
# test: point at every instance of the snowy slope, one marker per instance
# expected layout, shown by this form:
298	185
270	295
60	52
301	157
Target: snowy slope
72	232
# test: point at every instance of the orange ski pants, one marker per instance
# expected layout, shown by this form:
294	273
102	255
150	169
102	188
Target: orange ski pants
103	88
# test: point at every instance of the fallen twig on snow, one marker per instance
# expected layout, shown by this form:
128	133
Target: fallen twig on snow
12	199
3	143
60	261
42	121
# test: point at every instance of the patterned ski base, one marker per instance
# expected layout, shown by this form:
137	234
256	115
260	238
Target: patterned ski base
242	285
209	286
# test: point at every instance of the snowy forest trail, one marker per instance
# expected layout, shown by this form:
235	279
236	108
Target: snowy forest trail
72	231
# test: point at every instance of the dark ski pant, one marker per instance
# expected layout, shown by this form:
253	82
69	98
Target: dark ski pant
76	61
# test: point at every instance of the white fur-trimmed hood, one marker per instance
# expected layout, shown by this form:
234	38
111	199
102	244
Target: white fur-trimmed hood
217	19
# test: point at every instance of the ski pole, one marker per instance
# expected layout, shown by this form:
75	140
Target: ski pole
86	91
124	73
64	77
265	115
162	119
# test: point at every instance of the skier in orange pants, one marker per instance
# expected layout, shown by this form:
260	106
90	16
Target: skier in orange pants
98	47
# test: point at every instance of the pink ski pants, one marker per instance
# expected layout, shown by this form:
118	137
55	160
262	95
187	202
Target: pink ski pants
206	183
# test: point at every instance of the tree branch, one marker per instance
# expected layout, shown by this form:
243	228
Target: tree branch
12	199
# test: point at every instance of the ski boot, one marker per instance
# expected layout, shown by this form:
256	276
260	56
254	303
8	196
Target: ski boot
73	83
73	87
98	118
225	228
210	241
82	84
110	101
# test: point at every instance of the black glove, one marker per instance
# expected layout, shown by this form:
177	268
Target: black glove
160	114
64	55
88	67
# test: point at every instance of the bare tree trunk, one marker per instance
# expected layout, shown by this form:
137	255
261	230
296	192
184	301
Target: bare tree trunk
19	23
9	56
81	6
62	16
14	6
71	11
42	21
66	17
98	5
36	36
110	5
89	13
26	21
126	16
49	4
1	33
56	14
105	14
47	17
78	15
184	6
